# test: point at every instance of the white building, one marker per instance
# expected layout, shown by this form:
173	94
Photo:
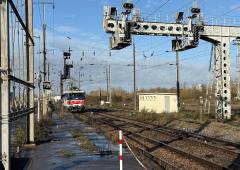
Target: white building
56	98
158	102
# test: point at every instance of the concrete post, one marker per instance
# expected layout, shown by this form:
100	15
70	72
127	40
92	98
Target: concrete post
178	81
45	102
134	77
110	86
30	68
5	85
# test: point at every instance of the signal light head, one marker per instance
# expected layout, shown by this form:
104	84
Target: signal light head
128	6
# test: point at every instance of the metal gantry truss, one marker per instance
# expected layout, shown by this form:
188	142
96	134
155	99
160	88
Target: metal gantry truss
188	35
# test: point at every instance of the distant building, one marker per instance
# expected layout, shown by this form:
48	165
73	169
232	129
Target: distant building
199	87
56	98
158	102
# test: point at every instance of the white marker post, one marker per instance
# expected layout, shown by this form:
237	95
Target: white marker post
120	150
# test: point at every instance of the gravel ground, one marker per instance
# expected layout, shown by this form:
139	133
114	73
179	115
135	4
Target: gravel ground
184	125
212	154
173	158
180	161
213	129
226	131
223	131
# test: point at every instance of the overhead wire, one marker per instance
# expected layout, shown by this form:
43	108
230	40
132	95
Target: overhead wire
156	10
39	11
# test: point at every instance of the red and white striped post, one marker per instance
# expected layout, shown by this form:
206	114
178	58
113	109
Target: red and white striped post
120	150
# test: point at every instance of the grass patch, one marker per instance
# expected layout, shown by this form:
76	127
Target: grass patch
67	154
47	122
89	130
111	135
146	116
149	116
84	142
42	132
20	136
236	117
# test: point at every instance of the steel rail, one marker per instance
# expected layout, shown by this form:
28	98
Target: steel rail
161	162
160	143
180	133
189	134
157	160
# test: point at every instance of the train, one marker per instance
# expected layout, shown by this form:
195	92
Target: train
74	100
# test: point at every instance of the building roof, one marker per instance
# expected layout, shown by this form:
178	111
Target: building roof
73	91
156	93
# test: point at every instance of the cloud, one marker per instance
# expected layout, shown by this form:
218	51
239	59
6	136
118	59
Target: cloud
66	29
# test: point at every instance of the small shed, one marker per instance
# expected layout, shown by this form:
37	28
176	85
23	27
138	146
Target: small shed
158	102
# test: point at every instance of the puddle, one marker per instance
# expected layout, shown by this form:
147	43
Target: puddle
65	153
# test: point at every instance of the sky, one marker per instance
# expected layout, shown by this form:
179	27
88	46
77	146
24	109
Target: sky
78	24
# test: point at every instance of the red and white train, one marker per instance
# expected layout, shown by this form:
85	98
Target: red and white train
74	100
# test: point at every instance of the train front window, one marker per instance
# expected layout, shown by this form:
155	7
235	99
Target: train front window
79	96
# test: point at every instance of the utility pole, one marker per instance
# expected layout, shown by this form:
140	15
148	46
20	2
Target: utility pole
134	77
30	69
110	85
39	78
39	94
48	72
45	105
100	95
5	86
177	80
79	80
61	83
44	42
107	84
49	91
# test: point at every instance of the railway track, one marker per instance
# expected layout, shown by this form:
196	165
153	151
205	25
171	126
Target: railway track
193	137
189	148
208	139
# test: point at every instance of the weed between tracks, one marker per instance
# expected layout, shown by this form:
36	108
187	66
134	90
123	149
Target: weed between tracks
108	132
84	142
67	154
